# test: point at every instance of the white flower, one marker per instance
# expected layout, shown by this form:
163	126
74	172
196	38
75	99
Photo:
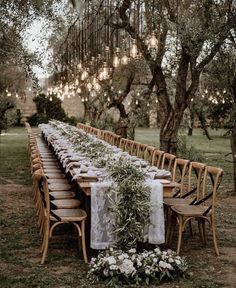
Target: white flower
113	267
127	267
157	250
106	272
162	264
155	260
139	263
171	260
121	257
178	262
169	266
132	251
111	260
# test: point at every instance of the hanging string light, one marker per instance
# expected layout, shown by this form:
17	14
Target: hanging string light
134	49
116	59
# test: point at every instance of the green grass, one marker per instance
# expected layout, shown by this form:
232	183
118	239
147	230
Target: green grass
212	151
14	161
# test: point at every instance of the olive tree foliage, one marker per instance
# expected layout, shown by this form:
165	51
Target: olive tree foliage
220	77
190	34
15	60
7	112
198	29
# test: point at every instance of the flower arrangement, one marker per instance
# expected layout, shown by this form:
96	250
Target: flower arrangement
116	267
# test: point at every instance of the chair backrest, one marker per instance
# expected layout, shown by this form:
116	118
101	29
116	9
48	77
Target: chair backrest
135	149
129	146
148	153
195	180
157	157
211	182
179	173
168	161
122	143
141	150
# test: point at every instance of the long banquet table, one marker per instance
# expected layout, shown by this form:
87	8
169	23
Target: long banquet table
95	190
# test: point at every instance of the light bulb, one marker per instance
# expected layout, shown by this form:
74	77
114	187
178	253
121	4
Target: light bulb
78	90
105	71
93	93
136	102
86	99
124	59
17	95
79	66
134	49
97	87
152	41
89	86
108	99
116	60
82	99
84	75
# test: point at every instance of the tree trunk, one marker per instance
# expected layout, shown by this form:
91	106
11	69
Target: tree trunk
202	120
233	148
190	129
169	131
123	122
233	135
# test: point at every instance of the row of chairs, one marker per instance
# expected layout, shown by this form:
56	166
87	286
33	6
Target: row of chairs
195	196
196	202
54	197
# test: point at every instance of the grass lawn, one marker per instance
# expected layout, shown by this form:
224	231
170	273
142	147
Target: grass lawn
212	151
14	163
20	240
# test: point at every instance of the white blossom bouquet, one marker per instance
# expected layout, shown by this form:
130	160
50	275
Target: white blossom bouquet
117	268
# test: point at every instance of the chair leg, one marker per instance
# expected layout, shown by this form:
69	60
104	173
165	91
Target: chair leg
204	231
180	234
214	238
45	249
83	241
168	225
200	228
190	228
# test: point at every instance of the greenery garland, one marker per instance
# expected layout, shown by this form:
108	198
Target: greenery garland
131	209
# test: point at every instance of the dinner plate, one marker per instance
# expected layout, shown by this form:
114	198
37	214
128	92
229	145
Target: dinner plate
164	181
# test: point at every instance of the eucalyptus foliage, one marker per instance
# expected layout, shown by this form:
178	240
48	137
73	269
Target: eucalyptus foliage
131	209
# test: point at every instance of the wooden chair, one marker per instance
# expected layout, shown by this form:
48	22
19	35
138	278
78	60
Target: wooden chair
129	146
141	150
168	161
135	150
157	157
122	143
203	209
188	196
179	174
148	154
52	218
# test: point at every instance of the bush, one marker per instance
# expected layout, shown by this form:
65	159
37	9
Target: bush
47	108
190	153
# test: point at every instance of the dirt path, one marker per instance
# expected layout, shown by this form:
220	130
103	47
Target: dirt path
20	242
